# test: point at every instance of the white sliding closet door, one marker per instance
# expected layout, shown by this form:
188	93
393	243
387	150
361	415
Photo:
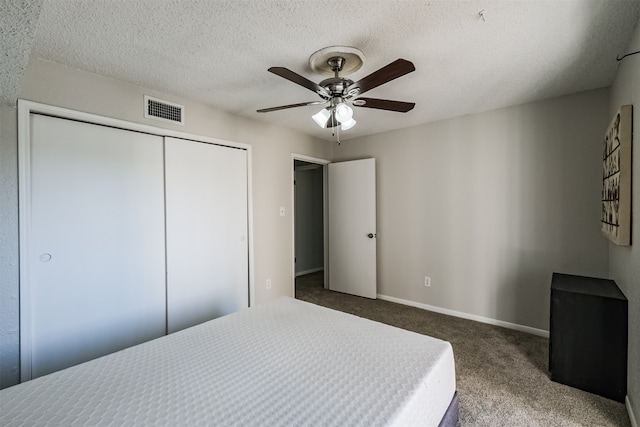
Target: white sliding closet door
207	246
96	245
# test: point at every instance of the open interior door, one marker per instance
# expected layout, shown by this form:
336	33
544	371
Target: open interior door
352	227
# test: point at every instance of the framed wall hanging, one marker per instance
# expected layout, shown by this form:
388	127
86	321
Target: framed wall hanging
616	178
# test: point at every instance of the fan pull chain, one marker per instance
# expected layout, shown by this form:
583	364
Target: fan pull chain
337	134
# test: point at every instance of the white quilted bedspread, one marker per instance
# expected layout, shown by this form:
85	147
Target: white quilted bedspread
286	363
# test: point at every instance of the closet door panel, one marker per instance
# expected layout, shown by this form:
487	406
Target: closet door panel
97	241
207	247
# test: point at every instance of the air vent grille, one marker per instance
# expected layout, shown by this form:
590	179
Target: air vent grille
163	110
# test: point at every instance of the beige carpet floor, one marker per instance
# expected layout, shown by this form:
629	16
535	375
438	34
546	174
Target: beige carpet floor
501	374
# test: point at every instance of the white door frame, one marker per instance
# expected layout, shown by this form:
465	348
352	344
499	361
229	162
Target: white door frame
325	216
25	109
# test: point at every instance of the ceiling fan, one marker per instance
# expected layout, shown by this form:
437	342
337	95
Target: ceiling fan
338	91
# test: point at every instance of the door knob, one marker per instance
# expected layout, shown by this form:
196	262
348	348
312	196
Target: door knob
371	235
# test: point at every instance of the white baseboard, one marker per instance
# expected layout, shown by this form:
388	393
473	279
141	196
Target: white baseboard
313	270
521	328
632	416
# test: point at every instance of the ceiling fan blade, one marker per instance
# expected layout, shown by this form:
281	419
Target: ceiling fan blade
384	104
284	107
298	79
397	68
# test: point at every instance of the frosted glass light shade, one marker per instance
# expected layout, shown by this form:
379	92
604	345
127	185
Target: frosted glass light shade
344	113
322	117
348	124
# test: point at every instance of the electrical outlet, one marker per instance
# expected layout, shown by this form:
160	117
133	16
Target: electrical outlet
268	283
427	281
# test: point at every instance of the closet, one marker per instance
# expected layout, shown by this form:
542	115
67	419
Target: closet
207	254
130	236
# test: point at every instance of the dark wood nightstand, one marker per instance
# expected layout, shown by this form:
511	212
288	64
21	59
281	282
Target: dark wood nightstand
588	335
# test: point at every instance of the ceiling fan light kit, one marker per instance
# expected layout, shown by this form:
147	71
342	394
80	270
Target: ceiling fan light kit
330	117
340	114
338	91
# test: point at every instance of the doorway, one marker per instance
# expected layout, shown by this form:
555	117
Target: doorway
309	178
348	222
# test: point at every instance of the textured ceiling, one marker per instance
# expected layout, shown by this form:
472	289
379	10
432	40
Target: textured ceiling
18	19
218	51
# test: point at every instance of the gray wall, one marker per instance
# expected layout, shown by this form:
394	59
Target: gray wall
9	286
490	205
625	260
272	147
309	224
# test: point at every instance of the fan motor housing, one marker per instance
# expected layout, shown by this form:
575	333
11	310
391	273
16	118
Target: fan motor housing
336	86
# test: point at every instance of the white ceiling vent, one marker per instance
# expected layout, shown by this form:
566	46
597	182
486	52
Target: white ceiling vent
158	109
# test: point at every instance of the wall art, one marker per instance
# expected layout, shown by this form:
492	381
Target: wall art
616	178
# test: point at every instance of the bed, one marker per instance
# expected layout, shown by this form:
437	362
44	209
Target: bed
286	362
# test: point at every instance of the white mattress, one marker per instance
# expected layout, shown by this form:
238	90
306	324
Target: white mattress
283	363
